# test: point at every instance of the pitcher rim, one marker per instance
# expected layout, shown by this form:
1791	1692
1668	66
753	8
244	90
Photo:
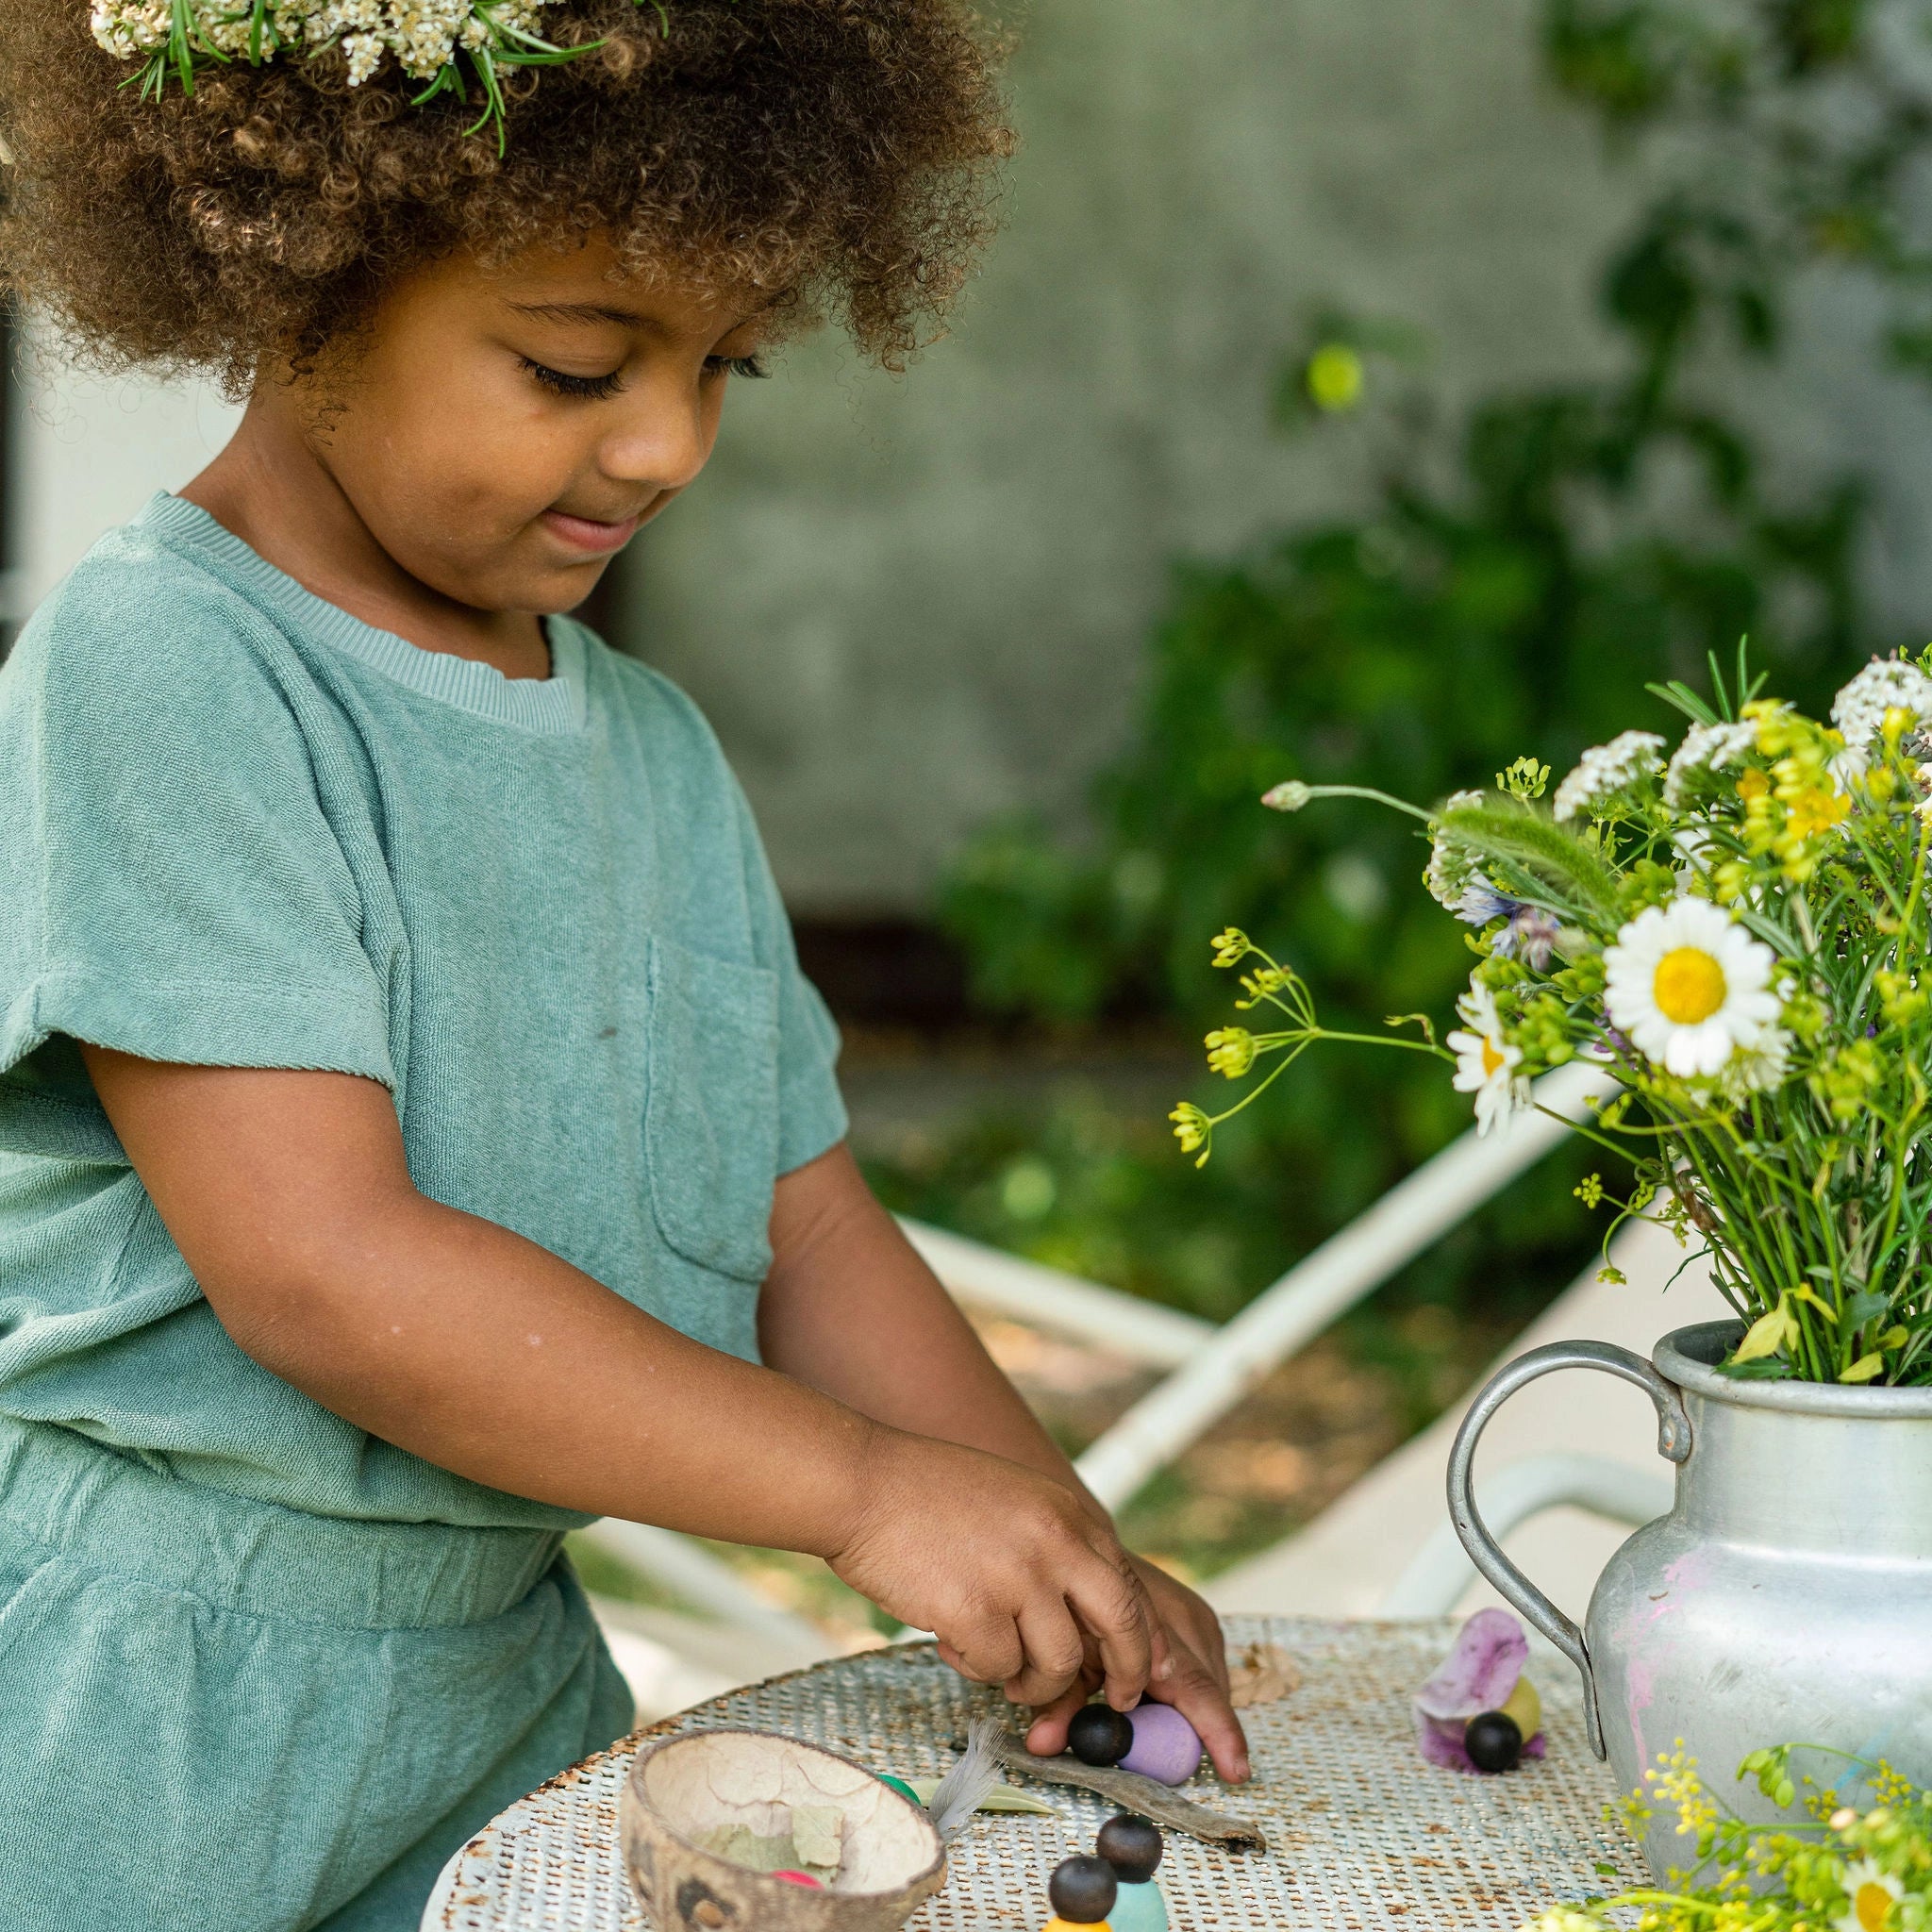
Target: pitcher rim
1687	1357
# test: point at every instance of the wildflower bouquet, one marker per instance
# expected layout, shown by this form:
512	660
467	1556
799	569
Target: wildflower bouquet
1741	930
1837	1870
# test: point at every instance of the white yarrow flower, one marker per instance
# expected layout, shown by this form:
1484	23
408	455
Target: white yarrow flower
1606	768
1689	987
1706	748
420	36
1869	1893
1858	711
1452	865
1485	1063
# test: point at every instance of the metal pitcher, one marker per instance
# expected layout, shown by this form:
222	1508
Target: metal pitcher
1787	1598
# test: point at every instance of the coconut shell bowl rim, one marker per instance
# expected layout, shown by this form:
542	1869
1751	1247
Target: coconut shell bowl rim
635	1780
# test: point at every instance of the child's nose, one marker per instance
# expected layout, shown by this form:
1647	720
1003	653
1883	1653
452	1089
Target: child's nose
664	443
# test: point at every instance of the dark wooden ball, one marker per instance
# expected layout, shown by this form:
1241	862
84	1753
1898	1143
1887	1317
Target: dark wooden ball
1099	1735
1132	1845
1083	1889
1493	1742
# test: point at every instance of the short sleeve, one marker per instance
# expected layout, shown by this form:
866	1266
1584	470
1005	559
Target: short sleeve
811	1110
169	882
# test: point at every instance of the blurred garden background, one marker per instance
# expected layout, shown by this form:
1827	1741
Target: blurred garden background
1364	395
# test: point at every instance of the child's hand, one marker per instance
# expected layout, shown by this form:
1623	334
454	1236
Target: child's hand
1021	1581
1191	1673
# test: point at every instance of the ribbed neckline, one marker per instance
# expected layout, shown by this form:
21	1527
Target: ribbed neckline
556	704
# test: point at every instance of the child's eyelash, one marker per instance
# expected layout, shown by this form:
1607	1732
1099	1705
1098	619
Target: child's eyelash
589	388
597	389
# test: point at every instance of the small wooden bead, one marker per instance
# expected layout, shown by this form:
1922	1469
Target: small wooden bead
1082	1889
1099	1735
1131	1844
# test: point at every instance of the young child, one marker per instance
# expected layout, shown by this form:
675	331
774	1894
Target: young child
416	1137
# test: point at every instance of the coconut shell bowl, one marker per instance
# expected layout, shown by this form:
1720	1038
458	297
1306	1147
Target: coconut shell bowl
702	1812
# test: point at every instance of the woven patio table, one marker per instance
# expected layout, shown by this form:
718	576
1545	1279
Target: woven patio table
1362	1835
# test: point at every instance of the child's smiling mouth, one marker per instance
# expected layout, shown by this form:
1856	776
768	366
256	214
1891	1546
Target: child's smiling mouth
589	535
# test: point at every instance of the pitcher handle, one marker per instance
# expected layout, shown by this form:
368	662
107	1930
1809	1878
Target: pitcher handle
1673	1441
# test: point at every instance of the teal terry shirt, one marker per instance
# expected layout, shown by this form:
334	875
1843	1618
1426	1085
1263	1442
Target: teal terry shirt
240	828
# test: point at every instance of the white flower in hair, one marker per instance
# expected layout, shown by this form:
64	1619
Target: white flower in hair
176	38
1607	769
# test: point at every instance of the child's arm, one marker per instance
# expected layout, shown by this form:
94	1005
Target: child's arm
290	1196
851	1308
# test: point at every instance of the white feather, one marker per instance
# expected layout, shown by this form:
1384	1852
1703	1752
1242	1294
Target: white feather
962	1790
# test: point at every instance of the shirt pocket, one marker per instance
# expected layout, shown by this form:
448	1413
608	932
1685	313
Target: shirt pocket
712	1109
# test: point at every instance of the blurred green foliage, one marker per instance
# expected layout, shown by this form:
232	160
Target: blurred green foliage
1515	587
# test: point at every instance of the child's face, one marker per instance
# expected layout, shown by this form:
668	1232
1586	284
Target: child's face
503	435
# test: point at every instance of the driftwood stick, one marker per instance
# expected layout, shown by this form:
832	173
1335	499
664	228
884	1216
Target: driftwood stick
1131	1792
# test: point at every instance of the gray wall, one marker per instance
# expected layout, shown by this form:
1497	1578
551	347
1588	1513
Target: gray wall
908	602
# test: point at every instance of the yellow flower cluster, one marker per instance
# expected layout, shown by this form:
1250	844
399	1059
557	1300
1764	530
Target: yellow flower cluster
1231	1051
1231	945
1675	1781
1789	809
1192	1128
1839	1871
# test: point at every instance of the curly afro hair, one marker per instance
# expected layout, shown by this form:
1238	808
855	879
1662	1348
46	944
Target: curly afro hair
839	154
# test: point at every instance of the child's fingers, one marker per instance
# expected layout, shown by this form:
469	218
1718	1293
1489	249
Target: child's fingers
1056	1651
986	1649
1114	1611
1193	1692
1162	1664
1185	1619
1046	1734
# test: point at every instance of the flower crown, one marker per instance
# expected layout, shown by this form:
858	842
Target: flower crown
431	41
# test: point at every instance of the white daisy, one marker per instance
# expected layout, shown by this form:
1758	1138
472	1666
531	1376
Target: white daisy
1690	986
1870	1895
1858	711
1706	748
1607	769
1485	1063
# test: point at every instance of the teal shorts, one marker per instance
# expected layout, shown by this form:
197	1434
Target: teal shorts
225	1716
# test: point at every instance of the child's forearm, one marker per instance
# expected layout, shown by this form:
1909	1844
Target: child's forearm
289	1195
452	1336
481	1352
850	1308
